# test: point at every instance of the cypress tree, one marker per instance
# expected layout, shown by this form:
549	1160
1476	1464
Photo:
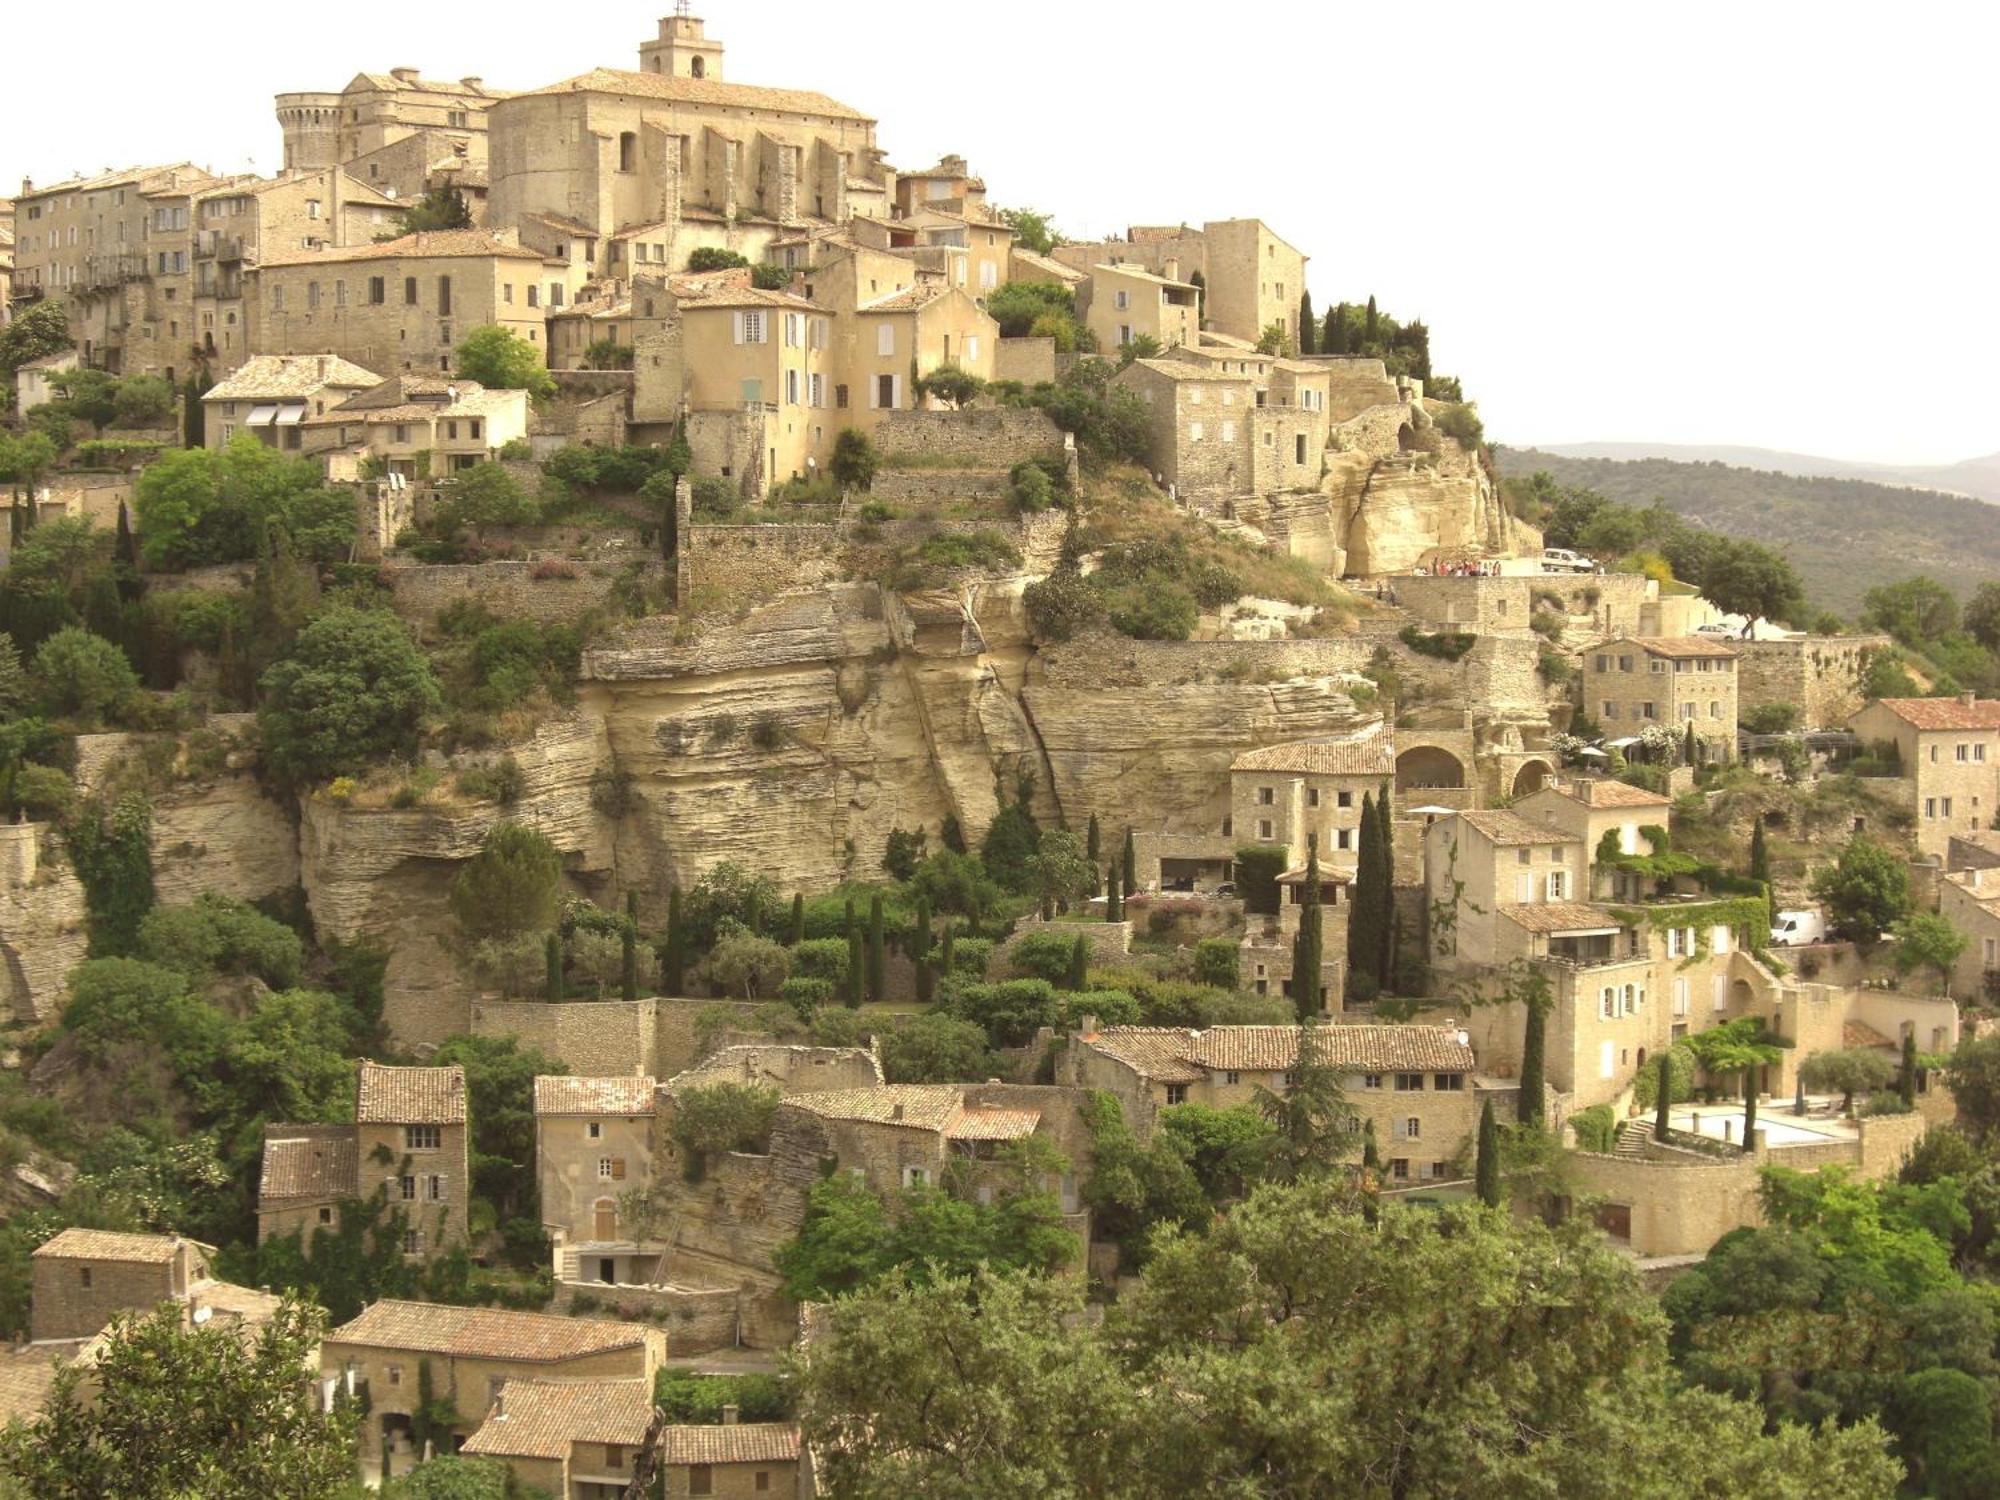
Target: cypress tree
876	986
1129	866
1385	889
1689	749
629	941
798	932
1665	1101
1371	1158
1114	903
1533	1108
1334	336
1760	869
1307	945
1749	1110
674	959
1486	1171
1906	1084
945	947
1093	841
1363	916
920	928
1308	325
552	958
125	551
753	912
1369	325
856	962
1078	976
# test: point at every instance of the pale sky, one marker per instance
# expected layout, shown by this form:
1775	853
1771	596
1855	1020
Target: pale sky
1758	223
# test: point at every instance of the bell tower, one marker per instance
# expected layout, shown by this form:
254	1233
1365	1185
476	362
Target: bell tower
680	50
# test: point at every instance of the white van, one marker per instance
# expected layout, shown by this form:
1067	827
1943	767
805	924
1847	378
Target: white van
1794	928
1562	560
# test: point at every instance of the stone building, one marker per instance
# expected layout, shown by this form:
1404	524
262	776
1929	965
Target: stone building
471	1354
1416	1084
1251	277
1309	793
719	163
34	381
421	426
593	1145
82	1278
572	1439
1970	900
1631	682
1513	877
1123	304
1950	753
402	305
1591	808
735	1460
1819	675
387	127
270	397
408	1137
1214	436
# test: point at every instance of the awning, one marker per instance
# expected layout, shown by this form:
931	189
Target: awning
262	416
1568	932
1620	744
289	416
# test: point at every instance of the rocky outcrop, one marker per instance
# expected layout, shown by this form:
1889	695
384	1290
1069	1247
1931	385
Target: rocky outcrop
42	928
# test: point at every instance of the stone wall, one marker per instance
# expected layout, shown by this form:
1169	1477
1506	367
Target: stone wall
787	1068
931	489
1028	360
1820	675
697	1319
758	561
553	591
995	437
677	1045
595	1038
43	932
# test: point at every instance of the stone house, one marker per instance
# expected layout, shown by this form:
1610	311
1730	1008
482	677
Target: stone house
1632	682
1252	277
735	1460
1503	879
1029	265
593	1145
900	337
1215	437
603	319
572	1439
32	384
1950	752
1307	794
725	164
421	426
472	1353
1589	808
1416	1084
1970	900
1121	304
408	1135
1819	675
270	396
83	1277
361	125
968	253
402	305
946	188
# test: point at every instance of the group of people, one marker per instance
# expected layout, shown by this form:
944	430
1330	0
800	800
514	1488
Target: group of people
1483	567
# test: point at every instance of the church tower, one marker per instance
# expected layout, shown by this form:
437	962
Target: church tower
681	51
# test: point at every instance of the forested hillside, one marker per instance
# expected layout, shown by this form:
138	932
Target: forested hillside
1843	535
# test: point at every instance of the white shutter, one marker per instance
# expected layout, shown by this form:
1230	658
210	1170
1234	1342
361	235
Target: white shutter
736	326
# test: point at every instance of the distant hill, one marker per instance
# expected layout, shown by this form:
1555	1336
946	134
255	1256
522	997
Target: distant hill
1978	477
1843	535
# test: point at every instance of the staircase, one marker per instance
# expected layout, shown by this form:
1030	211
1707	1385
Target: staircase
1635	1139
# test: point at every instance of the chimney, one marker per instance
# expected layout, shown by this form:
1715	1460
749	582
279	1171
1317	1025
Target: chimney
1089	1027
730	1414
404	75
1968	699
500	1402
474	83
322	367
896	1111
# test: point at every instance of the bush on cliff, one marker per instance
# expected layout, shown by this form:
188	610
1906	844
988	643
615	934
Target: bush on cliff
353	692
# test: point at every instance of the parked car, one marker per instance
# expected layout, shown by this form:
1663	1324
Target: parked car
1718	629
1562	560
1794	928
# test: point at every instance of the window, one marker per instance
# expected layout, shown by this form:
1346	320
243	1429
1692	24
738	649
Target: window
85	1277
312	209
1449	1083
794	330
435	1188
816	390
1524	856
885	339
611	1168
1558	885
1121	300
534	296
1607	1003
326	1216
1964	751
1266	796
422	1137
1230	1075
1646	711
1371	1080
1409	1083
395	1374
701	1479
885	392
791	387
377	291
312	295
409	291
594	1130
1343	838
1264	828
628	151
971	347
1229	432
507	292
916	1176
277	299
1930	807
1194	432
407	1189
1400	1169
614	1456
1176	1093
1412	1128
763	1480
1603	663
444	296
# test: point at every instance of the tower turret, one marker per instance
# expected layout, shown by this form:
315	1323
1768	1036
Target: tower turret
681	50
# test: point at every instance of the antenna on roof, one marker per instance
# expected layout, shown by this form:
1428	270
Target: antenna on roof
681	7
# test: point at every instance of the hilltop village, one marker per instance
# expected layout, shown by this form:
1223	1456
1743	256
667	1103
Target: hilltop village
649	759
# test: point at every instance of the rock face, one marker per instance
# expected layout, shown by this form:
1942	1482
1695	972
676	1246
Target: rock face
42	933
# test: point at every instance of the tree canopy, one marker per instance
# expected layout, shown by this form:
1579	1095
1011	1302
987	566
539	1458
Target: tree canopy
353	691
502	360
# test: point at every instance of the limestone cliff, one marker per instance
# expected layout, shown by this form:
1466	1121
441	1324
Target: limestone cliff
42	932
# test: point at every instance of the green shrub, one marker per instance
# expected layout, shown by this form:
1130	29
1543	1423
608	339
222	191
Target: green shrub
1446	645
500	782
1215	962
1596	1129
1158	612
1772	718
821	959
1042	955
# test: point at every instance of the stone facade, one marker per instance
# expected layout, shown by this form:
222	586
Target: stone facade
551	592
596	1038
1950	751
1819	675
1632	683
83	1278
981	437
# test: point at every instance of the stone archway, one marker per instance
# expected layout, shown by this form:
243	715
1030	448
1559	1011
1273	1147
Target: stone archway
1532	776
1428	766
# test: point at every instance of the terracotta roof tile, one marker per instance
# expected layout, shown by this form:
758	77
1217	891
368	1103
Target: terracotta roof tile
309	1161
279	376
559	1094
1945	713
1861	1034
105	1244
484	1332
920	1106
1559	916
1174	1055
429	244
543	1418
1673	645
411	1096
1504	827
698	91
1375	756
1597	792
984	1123
732	1443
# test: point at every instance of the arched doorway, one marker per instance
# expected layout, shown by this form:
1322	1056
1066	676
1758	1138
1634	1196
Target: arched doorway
1428	766
1532	777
